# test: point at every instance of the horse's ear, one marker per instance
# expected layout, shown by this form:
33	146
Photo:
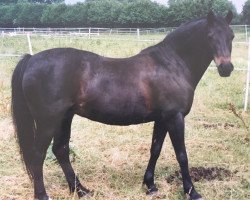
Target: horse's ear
210	17
229	16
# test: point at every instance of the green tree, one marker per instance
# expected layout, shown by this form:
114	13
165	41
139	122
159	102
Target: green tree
222	7
246	13
142	14
46	1
8	1
183	10
103	13
53	15
109	13
30	1
8	15
75	15
29	15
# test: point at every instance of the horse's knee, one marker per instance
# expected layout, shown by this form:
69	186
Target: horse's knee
38	156
182	159
155	150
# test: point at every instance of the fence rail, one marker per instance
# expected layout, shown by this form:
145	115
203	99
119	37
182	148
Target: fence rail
242	32
87	30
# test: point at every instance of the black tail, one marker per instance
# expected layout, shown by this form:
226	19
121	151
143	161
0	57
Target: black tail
22	118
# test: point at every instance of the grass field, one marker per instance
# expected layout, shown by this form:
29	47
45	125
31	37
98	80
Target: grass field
111	160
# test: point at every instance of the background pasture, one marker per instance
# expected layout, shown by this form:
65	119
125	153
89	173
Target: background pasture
112	160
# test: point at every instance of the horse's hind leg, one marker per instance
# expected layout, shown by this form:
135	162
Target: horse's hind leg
176	133
43	138
61	151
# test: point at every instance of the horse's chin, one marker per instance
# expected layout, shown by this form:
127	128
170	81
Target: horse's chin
224	74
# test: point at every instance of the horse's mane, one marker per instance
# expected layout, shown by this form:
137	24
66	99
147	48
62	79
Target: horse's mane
186	28
182	31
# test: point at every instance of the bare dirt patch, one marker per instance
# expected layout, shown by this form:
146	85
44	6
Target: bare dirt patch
202	173
226	125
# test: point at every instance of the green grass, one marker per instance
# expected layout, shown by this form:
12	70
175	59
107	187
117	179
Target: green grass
111	160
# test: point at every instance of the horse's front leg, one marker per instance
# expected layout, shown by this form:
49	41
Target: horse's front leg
159	134
176	132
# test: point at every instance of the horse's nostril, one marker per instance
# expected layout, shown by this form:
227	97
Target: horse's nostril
229	66
232	67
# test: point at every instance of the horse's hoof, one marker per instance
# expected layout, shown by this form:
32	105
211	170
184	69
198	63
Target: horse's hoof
152	191
85	193
194	198
43	198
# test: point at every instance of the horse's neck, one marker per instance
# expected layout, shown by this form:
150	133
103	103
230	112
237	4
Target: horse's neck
192	48
197	58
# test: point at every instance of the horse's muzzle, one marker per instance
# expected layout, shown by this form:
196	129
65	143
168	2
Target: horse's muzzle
225	69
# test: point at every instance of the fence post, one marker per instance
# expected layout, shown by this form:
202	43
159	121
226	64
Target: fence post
248	77
89	32
138	34
29	43
246	33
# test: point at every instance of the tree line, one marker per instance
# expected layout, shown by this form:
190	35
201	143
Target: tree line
110	13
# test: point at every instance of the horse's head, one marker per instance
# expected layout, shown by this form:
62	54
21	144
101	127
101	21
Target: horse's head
220	38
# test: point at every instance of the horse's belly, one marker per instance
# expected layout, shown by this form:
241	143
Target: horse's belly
116	113
119	120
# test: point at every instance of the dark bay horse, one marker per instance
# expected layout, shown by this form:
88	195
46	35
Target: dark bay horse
157	84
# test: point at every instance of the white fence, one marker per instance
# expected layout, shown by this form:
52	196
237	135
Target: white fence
89	30
243	31
247	79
